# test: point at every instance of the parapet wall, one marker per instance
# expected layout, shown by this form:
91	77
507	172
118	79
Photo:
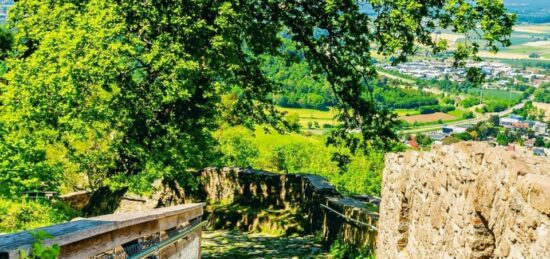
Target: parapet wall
254	200
301	193
467	200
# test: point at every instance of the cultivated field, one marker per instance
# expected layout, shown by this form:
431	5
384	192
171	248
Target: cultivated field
542	28
526	39
428	117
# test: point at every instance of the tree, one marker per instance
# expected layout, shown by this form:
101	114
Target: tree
468	115
502	139
539	142
423	140
534	55
495	120
128	91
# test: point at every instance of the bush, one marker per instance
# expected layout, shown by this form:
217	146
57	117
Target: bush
429	109
469	102
534	55
468	115
447	108
23	215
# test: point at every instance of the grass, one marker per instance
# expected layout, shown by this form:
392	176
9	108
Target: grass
459	113
406	112
311	116
497	94
327	117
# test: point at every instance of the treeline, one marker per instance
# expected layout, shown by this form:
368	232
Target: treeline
402	98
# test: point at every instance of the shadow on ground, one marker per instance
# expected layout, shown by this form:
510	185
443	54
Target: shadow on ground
235	244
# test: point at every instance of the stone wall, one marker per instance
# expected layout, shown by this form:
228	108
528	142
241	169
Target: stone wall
466	200
292	199
254	200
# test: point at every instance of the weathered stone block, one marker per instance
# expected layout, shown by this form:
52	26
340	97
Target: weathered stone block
467	200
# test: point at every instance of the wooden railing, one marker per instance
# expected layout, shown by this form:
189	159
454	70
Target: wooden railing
171	232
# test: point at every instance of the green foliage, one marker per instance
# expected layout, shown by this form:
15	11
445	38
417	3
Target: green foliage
341	250
469	102
534	55
423	140
237	149
27	214
468	115
38	250
507	137
465	136
436	108
539	142
502	139
124	92
543	94
399	98
6	42
294	153
494	120
299	88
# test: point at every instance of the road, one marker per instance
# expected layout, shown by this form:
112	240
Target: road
469	121
481	117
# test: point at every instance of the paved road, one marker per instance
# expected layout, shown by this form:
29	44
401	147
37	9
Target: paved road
469	121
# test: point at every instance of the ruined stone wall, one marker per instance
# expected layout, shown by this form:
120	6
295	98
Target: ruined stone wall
254	200
466	200
279	194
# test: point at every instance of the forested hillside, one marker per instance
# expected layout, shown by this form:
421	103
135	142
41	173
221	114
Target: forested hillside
530	11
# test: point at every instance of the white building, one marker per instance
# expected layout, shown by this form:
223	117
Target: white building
540	128
508	122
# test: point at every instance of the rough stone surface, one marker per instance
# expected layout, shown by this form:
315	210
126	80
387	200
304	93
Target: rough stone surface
259	201
292	200
466	200
226	244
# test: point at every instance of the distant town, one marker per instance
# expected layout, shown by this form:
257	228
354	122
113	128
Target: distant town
500	75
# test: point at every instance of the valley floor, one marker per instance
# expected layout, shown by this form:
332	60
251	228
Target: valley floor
235	244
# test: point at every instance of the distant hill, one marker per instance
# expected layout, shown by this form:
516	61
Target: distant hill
4	6
530	11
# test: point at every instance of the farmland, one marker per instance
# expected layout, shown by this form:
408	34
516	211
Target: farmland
526	39
423	118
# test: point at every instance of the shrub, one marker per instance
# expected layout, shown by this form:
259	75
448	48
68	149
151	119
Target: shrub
534	55
429	109
447	108
469	102
468	115
23	215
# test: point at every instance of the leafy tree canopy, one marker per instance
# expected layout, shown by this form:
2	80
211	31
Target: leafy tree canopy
127	91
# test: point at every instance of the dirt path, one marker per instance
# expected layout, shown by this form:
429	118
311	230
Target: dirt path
234	244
